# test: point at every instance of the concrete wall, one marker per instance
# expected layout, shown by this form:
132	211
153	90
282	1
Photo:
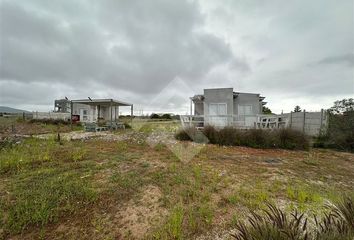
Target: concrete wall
92	115
247	99
51	115
312	123
198	108
218	95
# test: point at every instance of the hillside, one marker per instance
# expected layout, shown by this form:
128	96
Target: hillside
4	109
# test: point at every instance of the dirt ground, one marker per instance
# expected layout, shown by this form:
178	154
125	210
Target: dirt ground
150	186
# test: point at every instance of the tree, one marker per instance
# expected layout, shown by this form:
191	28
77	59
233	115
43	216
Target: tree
266	110
297	108
342	106
154	116
166	116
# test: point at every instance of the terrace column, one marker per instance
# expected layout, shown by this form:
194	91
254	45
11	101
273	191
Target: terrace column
111	113
71	115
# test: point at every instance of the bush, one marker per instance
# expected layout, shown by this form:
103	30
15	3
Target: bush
292	139
50	121
257	138
191	134
127	125
211	133
154	116
166	116
340	133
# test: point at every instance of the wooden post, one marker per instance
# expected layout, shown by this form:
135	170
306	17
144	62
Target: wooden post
71	115
131	113
111	114
191	113
115	113
303	127
291	119
321	122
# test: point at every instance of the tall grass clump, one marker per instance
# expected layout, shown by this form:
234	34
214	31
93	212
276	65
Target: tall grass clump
275	224
258	138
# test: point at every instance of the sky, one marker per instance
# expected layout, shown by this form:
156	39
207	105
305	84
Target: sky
157	54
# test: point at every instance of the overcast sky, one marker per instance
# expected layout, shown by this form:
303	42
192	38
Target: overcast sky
156	54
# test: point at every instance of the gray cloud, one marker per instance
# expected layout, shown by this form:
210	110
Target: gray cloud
347	59
133	49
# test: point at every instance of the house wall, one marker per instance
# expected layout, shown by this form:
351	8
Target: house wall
198	108
93	112
218	95
247	99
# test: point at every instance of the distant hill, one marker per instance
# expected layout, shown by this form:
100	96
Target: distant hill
4	109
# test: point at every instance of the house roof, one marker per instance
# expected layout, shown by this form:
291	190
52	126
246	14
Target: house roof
102	102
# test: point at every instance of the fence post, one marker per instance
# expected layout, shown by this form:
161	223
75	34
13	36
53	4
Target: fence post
303	126
291	119
71	115
321	122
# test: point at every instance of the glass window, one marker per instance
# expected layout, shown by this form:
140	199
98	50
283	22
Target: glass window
217	109
245	110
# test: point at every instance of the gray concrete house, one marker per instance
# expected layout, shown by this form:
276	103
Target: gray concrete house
223	107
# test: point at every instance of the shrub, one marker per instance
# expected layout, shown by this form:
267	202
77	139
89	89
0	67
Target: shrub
211	133
166	116
258	138
50	121
154	116
292	139
340	132
127	125
228	136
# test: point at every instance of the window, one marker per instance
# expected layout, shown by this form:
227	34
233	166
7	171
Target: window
245	110
217	114
217	109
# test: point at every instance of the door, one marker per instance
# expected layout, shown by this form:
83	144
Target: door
218	114
84	115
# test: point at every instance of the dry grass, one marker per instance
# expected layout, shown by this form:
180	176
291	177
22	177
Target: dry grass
96	189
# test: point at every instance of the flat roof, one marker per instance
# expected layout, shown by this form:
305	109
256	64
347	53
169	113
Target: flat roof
102	102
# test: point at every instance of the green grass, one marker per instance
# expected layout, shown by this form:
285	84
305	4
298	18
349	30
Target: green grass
45	196
45	184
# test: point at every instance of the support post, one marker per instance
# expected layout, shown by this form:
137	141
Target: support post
303	126
131	113
71	115
191	113
115	114
321	122
111	115
98	112
291	119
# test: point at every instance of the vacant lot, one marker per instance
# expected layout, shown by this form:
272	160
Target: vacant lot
141	183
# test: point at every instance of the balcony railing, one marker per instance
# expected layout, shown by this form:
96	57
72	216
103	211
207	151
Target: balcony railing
238	121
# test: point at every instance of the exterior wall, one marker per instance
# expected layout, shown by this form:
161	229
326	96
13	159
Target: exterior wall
248	99
218	95
51	115
199	108
92	113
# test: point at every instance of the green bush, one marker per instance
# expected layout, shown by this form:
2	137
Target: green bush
257	138
50	121
340	133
